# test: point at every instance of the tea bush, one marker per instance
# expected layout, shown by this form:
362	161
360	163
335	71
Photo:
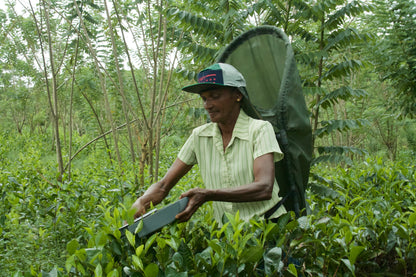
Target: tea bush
361	222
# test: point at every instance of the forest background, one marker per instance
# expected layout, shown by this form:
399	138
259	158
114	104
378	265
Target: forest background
91	113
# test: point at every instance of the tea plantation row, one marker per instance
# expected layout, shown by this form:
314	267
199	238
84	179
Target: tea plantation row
361	222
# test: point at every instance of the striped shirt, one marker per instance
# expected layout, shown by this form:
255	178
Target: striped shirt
233	167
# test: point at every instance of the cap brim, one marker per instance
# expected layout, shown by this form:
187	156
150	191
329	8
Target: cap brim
201	87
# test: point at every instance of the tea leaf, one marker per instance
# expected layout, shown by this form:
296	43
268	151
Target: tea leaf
303	223
186	254
391	241
272	261
72	246
178	260
149	242
349	265
113	273
151	270
139	250
98	272
131	238
137	262
252	254
139	227
215	245
412	219
203	259
70	263
101	239
292	270
354	252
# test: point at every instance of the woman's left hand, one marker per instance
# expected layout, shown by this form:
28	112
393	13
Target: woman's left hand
197	197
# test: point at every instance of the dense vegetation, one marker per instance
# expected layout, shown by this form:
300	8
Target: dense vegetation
91	115
362	222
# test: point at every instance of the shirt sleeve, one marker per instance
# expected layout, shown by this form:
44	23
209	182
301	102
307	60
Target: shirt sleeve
265	142
187	152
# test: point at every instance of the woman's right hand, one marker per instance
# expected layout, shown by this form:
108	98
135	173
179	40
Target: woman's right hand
158	191
139	207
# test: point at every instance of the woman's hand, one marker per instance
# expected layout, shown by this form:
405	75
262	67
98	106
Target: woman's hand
197	197
140	208
158	191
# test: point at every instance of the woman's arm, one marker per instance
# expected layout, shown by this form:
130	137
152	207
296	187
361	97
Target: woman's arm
159	190
260	189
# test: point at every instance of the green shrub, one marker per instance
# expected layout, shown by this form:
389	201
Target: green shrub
361	222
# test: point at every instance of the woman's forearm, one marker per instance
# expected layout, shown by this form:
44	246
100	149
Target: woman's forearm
260	189
153	195
159	190
245	193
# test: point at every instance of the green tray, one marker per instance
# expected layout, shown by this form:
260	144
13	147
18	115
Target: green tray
156	219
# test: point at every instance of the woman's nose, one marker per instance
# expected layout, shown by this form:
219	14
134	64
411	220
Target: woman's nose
207	103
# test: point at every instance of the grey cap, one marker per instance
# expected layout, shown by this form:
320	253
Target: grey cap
217	75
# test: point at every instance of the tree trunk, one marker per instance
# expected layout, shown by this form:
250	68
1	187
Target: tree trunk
102	84
318	96
54	108
120	81
52	97
71	107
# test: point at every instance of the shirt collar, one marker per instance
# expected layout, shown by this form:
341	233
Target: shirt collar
240	128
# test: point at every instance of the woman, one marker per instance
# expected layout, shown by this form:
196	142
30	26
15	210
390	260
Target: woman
235	153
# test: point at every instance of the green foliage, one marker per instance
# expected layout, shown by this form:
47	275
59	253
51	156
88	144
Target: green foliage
361	222
362	217
40	215
343	93
337	154
374	210
394	52
324	37
208	27
346	233
339	125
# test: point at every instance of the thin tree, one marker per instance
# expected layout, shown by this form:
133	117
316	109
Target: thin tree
51	88
101	75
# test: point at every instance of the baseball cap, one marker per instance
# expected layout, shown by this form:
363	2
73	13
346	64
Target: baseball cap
217	75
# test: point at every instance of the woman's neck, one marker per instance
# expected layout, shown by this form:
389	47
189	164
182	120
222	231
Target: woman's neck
227	127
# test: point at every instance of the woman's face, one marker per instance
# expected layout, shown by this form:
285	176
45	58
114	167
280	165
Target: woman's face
222	104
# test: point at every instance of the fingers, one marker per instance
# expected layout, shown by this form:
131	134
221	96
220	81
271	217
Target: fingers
188	194
196	199
187	213
140	209
139	213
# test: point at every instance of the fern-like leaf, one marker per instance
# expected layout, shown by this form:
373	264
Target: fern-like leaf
342	69
343	38
200	25
350	9
339	125
343	93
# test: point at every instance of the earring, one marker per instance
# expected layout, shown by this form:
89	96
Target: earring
238	100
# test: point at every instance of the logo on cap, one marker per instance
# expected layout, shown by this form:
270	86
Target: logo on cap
211	76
